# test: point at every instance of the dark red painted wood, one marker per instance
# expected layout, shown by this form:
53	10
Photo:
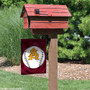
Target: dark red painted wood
25	14
44	6
33	14
47	10
49	14
25	20
48	25
62	14
49	17
25	26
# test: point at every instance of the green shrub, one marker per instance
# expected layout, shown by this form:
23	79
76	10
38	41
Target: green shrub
12	3
85	25
85	28
70	47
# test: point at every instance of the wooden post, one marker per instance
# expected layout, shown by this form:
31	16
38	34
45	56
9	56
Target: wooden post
53	80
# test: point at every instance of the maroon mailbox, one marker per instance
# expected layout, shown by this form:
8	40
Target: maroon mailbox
45	19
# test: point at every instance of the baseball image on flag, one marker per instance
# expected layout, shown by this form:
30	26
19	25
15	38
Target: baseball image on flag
33	56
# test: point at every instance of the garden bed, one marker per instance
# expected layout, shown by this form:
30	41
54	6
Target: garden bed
65	71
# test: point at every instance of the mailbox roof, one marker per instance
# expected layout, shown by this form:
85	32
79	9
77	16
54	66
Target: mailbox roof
46	10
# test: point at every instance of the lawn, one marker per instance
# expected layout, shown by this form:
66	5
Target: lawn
11	80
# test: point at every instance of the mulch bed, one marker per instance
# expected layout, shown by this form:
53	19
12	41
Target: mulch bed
65	70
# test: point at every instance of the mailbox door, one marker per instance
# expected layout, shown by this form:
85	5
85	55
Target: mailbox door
48	22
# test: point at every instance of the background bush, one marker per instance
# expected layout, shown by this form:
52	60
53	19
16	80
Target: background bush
72	44
11	32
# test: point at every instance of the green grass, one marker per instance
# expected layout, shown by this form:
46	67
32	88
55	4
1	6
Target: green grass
11	80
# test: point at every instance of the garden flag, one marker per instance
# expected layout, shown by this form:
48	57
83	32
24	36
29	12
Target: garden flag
33	56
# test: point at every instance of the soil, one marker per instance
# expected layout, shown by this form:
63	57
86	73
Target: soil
65	70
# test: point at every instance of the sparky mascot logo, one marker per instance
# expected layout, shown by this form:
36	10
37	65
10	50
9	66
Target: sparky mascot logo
34	54
33	57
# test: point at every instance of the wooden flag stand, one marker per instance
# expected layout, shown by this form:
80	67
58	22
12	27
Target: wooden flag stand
53	81
47	20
